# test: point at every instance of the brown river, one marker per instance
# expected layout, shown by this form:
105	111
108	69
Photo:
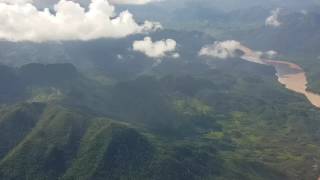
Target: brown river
291	75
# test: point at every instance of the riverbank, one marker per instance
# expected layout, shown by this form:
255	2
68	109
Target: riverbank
291	75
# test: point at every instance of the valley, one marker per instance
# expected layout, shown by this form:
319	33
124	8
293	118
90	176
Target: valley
294	78
291	75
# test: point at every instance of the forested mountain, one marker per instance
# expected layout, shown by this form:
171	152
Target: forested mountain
229	120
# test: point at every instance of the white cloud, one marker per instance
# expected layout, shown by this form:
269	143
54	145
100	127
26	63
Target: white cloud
46	3
156	49
273	20
176	55
231	49
119	56
16	1
135	2
70	21
271	53
221	50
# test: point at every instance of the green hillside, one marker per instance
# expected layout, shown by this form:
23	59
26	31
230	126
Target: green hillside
228	120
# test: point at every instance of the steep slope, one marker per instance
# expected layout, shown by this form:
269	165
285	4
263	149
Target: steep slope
68	144
61	139
111	151
16	123
44	153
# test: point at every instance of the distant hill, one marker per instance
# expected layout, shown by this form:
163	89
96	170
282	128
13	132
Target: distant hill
102	55
298	34
18	82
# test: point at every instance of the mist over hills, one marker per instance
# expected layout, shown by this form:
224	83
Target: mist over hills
102	53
